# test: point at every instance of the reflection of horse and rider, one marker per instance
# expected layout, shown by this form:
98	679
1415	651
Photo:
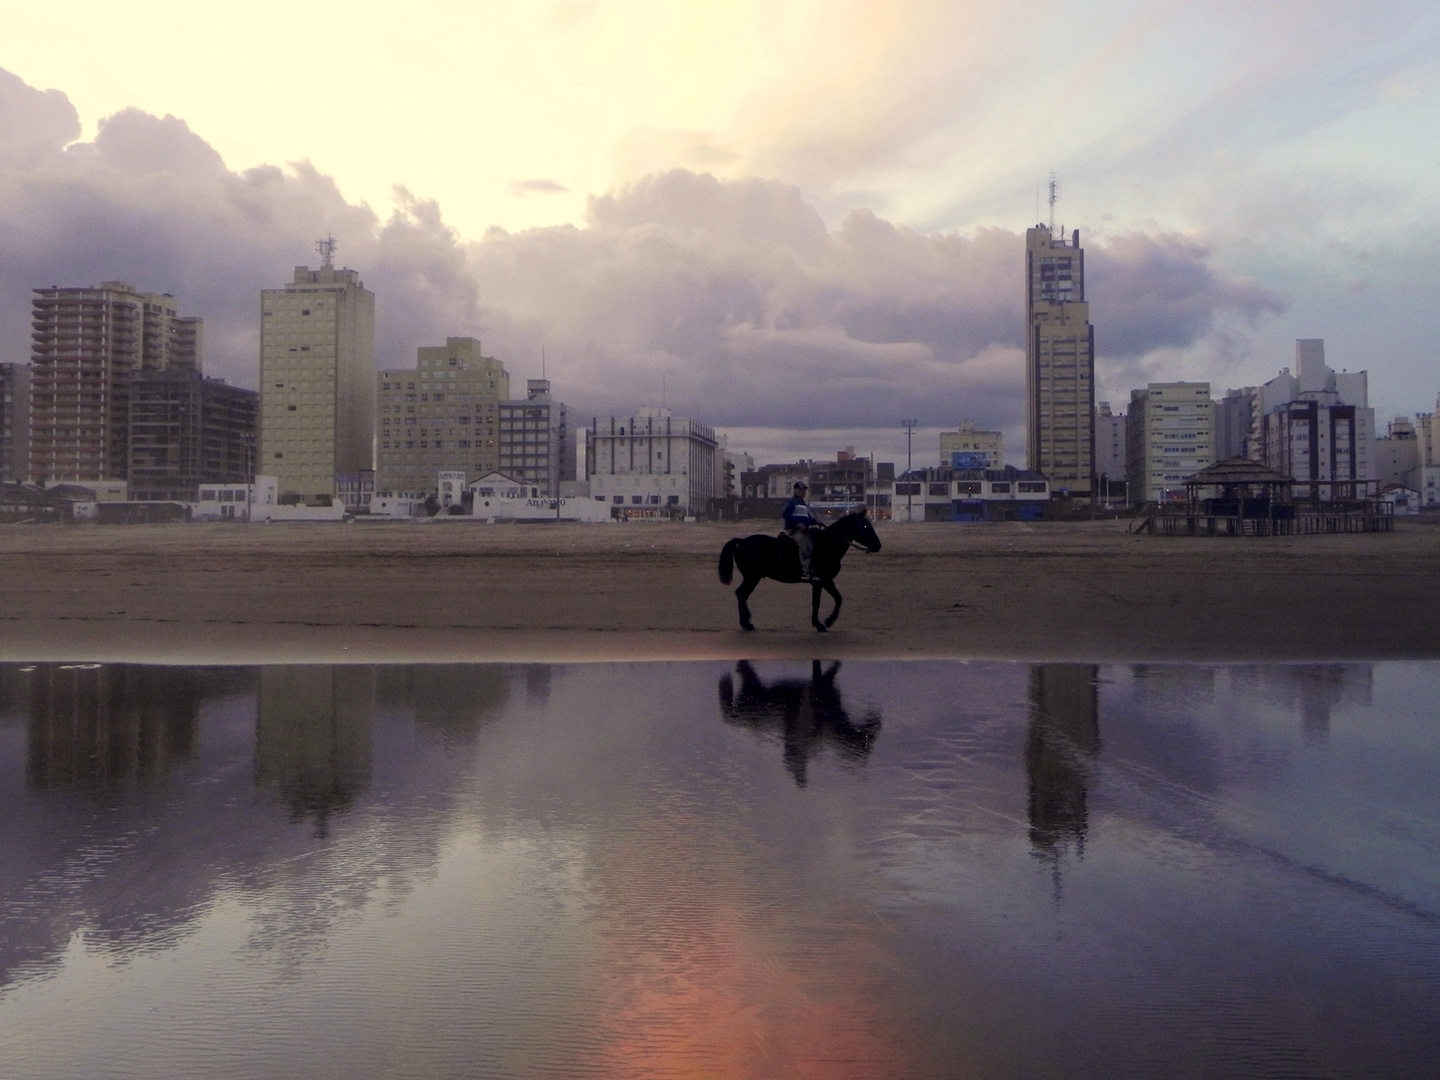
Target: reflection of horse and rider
807	715
806	551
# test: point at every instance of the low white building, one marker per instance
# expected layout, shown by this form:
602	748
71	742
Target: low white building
237	502
497	497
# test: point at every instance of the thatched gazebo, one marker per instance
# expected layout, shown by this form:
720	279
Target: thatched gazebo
1245	489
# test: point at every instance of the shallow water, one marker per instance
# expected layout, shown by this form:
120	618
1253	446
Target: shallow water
715	870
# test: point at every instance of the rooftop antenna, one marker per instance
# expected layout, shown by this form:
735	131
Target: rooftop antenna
326	248
542	361
1054	187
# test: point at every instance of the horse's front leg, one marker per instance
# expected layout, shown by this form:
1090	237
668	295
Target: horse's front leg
829	587
815	608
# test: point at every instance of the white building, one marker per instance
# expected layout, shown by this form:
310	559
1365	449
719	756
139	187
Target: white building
1169	437
1316	426
317	380
497	497
651	465
968	495
237	502
1425	476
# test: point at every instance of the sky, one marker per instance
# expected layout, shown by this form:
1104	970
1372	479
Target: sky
798	222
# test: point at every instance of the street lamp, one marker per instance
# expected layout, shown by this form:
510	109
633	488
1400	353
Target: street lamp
909	426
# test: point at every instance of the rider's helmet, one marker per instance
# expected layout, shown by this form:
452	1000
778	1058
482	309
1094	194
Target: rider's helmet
800	486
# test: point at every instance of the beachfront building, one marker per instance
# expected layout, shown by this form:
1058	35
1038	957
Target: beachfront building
1169	437
441	415
1059	363
1109	453
969	495
1425	476
1395	454
14	422
536	439
1316	426
651	465
186	430
317	380
1235	423
87	345
969	447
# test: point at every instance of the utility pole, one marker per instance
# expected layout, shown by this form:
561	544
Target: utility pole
909	426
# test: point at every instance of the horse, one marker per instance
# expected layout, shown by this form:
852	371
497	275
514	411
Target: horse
761	556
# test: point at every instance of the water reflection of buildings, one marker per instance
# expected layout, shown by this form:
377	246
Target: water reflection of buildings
112	725
312	738
806	714
450	701
1311	690
1064	738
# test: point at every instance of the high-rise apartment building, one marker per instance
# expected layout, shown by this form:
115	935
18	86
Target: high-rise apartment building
1109	450
187	430
537	440
88	343
1170	436
1234	423
441	415
1317	426
1059	363
14	421
317	381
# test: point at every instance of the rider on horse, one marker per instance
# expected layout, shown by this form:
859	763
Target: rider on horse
800	524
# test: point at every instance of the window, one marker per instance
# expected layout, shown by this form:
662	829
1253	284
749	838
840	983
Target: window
618	499
673	500
638	500
1031	488
938	489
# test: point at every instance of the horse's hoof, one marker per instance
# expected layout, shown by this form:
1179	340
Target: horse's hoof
821	627
747	626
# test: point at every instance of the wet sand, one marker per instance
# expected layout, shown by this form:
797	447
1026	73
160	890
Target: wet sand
451	591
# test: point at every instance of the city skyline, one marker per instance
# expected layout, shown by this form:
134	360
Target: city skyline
766	236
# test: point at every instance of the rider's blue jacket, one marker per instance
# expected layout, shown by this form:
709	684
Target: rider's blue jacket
797	514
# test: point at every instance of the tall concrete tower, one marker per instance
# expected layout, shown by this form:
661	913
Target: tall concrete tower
317	379
1059	362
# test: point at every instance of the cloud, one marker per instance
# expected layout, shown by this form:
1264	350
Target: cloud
538	186
731	298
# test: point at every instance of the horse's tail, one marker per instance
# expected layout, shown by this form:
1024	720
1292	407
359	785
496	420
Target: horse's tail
727	561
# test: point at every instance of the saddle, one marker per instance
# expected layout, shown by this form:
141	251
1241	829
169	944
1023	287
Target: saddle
787	558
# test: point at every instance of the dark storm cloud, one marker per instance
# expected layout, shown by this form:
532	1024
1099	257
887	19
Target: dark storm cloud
732	295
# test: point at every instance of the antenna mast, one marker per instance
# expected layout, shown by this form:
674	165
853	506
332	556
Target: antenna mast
326	248
1054	187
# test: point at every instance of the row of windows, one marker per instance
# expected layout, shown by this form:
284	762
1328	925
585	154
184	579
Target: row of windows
427	444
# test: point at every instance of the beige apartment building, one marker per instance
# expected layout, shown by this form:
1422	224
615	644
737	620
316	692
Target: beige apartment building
1170	436
979	449
87	344
317	381
440	416
1059	363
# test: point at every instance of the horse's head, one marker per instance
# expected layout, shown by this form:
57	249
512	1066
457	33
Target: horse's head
860	530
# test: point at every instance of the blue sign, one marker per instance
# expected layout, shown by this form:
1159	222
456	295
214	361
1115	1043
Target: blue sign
969	459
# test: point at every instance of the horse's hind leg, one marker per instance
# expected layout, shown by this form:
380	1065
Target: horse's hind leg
815	609
742	594
829	586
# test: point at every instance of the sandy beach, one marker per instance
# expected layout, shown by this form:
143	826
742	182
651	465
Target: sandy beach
449	591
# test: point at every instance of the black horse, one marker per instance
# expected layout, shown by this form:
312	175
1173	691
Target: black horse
777	557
